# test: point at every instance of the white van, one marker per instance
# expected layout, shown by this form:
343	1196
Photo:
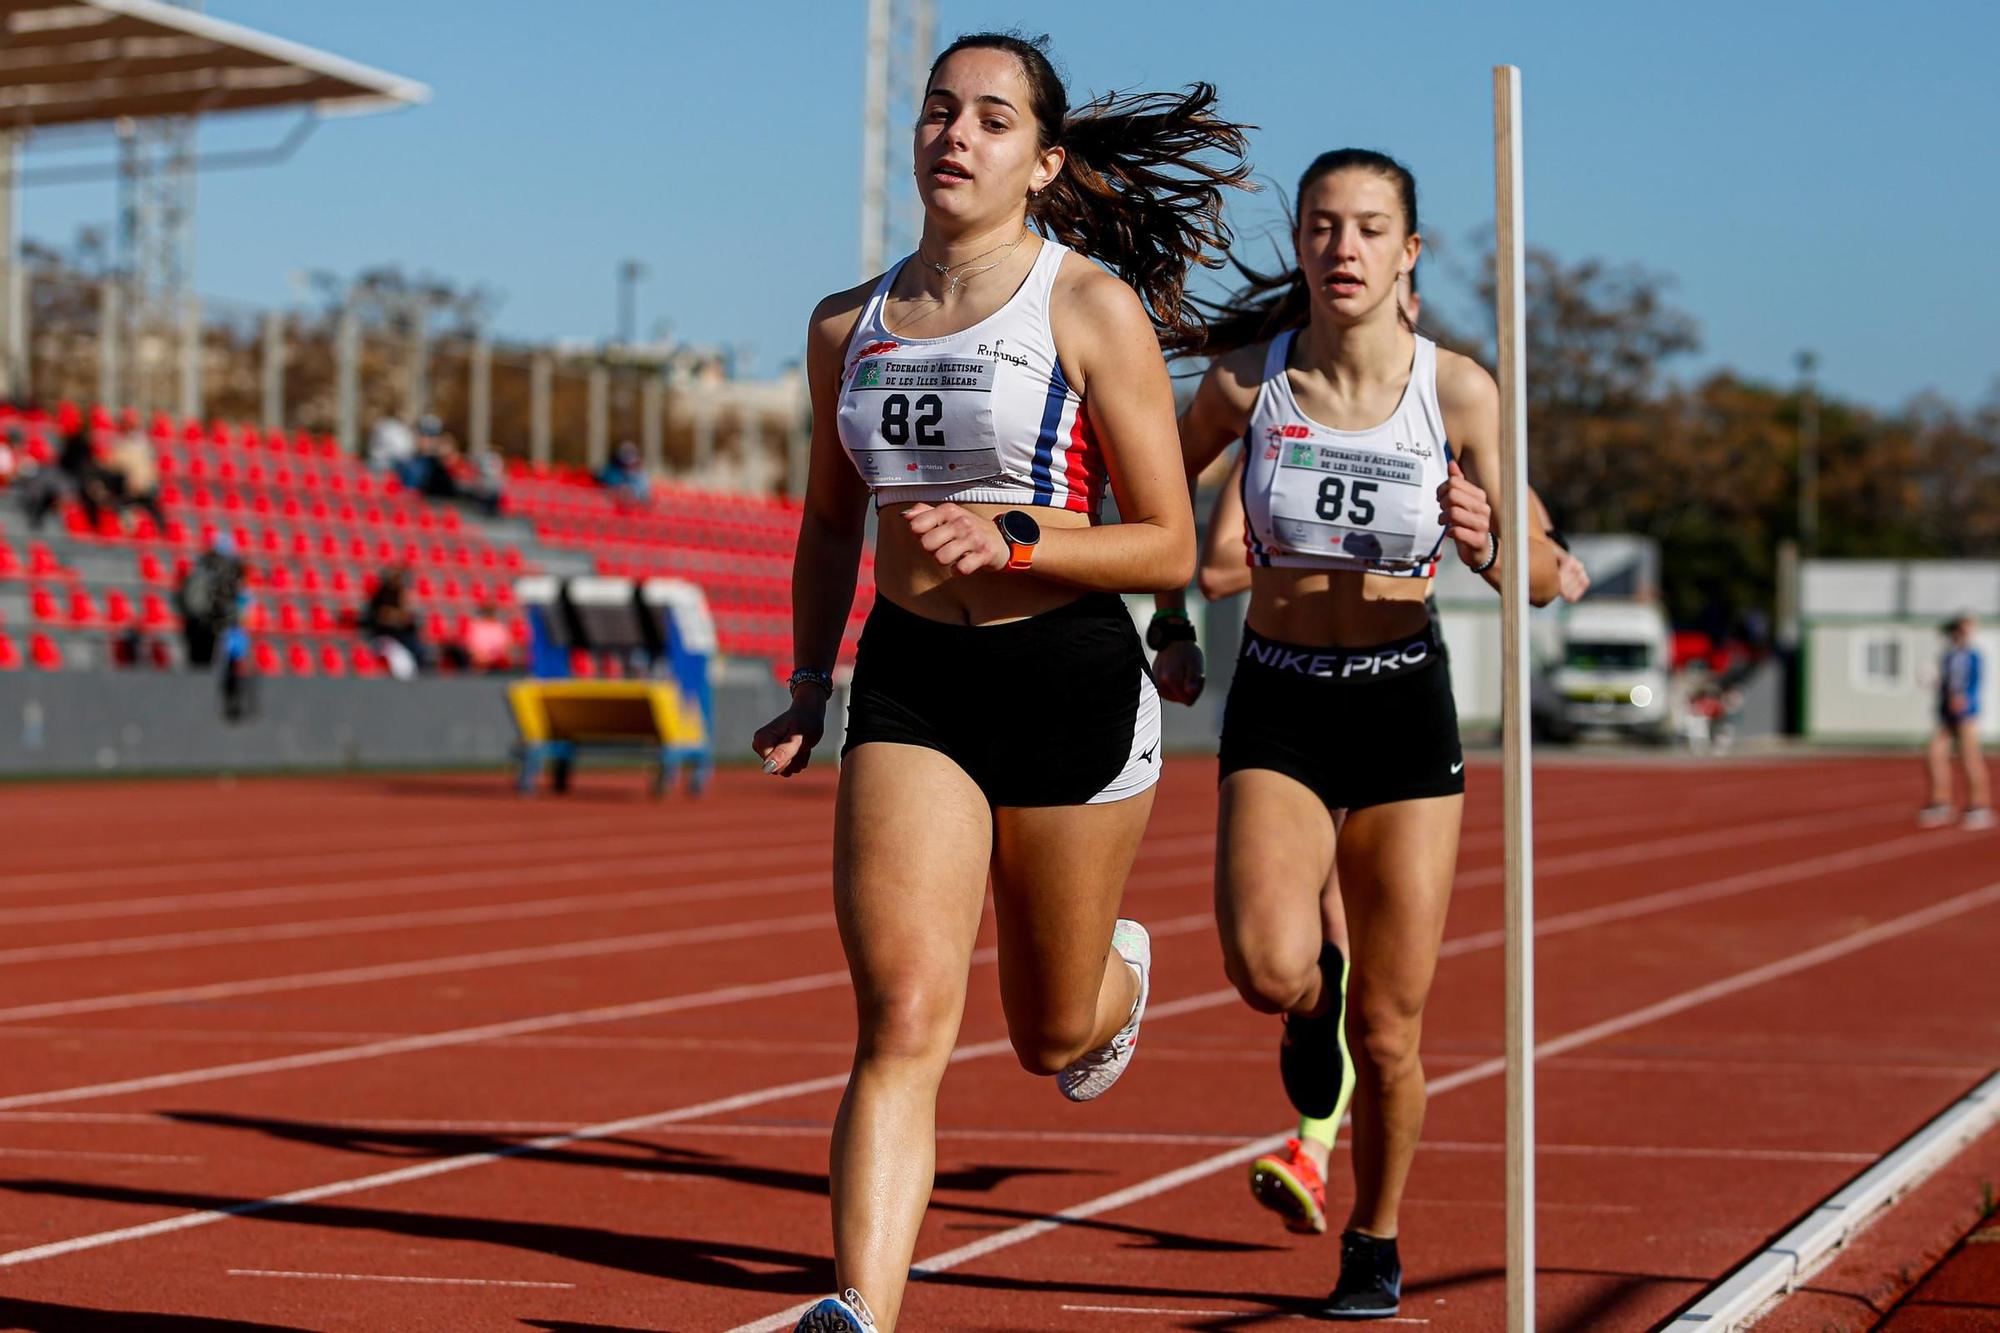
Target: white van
1613	671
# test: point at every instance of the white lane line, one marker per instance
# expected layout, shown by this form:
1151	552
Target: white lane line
146	855
349	976
450	1165
1465	944
394	1277
1160	1184
664	843
441	916
564	905
155	1158
820	1129
412	885
1726	887
1232	1158
1635	907
1687	845
1187	1312
422	967
485	1032
421	884
668	858
432	1040
294	1038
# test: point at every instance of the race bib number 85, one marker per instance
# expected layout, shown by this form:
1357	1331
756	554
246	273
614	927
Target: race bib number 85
1361	503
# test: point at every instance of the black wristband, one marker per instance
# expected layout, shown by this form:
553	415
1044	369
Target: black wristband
1169	627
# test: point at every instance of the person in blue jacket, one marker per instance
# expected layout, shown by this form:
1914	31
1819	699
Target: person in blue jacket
1959	672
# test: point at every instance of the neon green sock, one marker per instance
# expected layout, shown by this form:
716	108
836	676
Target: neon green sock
1322	1131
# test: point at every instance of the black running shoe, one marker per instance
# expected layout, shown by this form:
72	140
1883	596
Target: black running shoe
1312	1057
1371	1279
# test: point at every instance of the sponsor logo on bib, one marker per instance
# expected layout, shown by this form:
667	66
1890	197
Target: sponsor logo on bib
872	349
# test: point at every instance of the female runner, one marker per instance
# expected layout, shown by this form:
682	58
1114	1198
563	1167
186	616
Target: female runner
1365	450
1001	722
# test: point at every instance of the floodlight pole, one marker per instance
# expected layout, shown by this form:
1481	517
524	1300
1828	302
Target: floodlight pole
630	272
875	140
1807	362
13	279
1517	792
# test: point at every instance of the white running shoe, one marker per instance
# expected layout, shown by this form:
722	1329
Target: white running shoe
1935	816
1094	1072
845	1313
1979	817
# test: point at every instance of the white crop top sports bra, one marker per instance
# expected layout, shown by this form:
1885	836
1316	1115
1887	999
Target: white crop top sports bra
1365	500
981	415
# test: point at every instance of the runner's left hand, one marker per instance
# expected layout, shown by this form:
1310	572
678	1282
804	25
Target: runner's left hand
961	541
1467	517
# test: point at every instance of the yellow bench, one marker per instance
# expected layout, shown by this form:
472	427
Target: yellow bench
557	718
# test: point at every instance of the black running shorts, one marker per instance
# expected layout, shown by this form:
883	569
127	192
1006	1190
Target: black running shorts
1358	726
1056	709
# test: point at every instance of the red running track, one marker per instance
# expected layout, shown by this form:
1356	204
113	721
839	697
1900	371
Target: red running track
409	1054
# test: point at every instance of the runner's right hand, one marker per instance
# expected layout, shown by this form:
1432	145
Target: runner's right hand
786	742
1177	671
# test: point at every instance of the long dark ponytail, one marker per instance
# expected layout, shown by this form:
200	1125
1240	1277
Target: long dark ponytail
1134	192
1268	304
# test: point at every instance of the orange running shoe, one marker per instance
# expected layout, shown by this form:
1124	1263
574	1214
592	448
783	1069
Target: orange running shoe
1289	1184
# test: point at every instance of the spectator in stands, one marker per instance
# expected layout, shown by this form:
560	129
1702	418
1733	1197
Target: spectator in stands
391	444
10	457
624	476
390	624
435	474
484	644
76	471
209	599
485	481
133	475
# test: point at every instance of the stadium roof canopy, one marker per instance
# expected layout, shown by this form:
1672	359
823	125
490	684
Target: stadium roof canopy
73	62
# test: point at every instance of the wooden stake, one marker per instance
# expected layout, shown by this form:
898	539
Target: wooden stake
1516	777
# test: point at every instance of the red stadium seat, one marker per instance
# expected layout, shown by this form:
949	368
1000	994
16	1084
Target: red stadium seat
266	658
366	662
154	613
42	651
10	655
330	661
117	608
299	661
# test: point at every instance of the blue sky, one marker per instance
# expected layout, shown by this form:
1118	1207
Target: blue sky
1811	175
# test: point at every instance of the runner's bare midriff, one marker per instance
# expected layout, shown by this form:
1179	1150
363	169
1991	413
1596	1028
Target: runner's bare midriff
911	577
1336	608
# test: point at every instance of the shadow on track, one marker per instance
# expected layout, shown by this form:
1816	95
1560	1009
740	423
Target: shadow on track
41	1317
640	1156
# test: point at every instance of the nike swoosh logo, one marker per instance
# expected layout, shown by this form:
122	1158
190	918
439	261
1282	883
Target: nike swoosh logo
1460	764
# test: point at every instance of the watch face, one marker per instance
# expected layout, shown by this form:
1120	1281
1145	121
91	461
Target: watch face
1020	528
